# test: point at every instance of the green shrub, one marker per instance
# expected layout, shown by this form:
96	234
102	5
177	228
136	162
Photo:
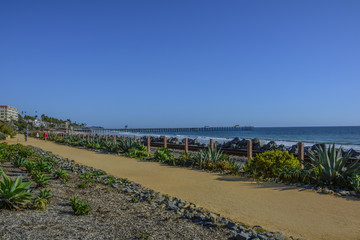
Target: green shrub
61	174
79	207
14	194
42	199
208	158
268	164
6	129
355	182
20	162
40	178
30	166
45	194
83	184
40	203
25	151
138	152
164	155
111	146
185	159
134	199
127	144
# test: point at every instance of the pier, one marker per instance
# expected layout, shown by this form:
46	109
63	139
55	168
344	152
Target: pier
163	130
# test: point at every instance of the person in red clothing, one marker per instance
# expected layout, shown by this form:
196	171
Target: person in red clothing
45	135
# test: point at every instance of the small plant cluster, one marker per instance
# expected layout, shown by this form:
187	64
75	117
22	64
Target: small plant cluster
121	146
210	159
327	166
16	194
99	176
205	159
79	207
42	199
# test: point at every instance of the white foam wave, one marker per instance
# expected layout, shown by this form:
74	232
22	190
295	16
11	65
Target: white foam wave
221	140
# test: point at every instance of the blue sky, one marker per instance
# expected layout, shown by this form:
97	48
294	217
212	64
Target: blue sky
183	63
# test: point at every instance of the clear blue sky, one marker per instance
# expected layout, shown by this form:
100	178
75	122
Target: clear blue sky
183	63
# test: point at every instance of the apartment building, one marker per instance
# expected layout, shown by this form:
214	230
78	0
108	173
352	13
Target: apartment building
8	113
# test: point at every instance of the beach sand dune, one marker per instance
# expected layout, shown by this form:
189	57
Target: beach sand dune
275	207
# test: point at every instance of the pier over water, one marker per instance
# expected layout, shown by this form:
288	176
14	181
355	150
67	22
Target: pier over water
190	129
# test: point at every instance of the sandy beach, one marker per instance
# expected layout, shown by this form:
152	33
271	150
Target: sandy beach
275	207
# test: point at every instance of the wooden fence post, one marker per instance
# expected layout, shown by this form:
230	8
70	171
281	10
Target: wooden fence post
165	142
124	138
301	154
249	150
148	144
135	138
83	136
106	138
186	145
114	138
212	144
88	136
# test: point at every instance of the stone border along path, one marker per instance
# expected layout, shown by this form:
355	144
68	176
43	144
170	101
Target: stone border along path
291	210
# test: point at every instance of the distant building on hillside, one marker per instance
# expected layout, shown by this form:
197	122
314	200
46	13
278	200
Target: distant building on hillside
8	113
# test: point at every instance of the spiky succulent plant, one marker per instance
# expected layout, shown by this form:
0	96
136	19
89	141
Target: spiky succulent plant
334	166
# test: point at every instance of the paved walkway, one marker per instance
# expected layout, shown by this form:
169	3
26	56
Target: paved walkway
275	207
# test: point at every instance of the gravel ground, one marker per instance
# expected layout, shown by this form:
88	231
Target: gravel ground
113	216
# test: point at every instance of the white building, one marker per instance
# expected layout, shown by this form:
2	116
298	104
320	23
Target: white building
8	113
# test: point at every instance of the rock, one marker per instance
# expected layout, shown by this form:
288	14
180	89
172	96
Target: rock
172	206
281	147
128	190
270	146
318	145
232	234
233	146
345	193
222	220
327	191
293	149
243	236
212	217
231	225
255	141
261	236
181	205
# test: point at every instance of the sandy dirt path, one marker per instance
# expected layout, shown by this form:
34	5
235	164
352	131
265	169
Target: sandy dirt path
275	207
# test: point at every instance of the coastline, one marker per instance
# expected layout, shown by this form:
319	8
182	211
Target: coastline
287	145
275	207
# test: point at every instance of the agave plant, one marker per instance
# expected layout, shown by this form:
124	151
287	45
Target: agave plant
30	166
61	174
164	155
43	199
212	155
79	207
14	194
127	144
40	178
111	146
334	166
45	193
20	162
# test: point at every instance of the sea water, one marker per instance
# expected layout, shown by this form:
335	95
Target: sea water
346	137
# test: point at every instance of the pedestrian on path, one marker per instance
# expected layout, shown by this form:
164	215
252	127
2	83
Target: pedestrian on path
26	135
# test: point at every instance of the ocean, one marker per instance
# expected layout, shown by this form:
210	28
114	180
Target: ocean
346	137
